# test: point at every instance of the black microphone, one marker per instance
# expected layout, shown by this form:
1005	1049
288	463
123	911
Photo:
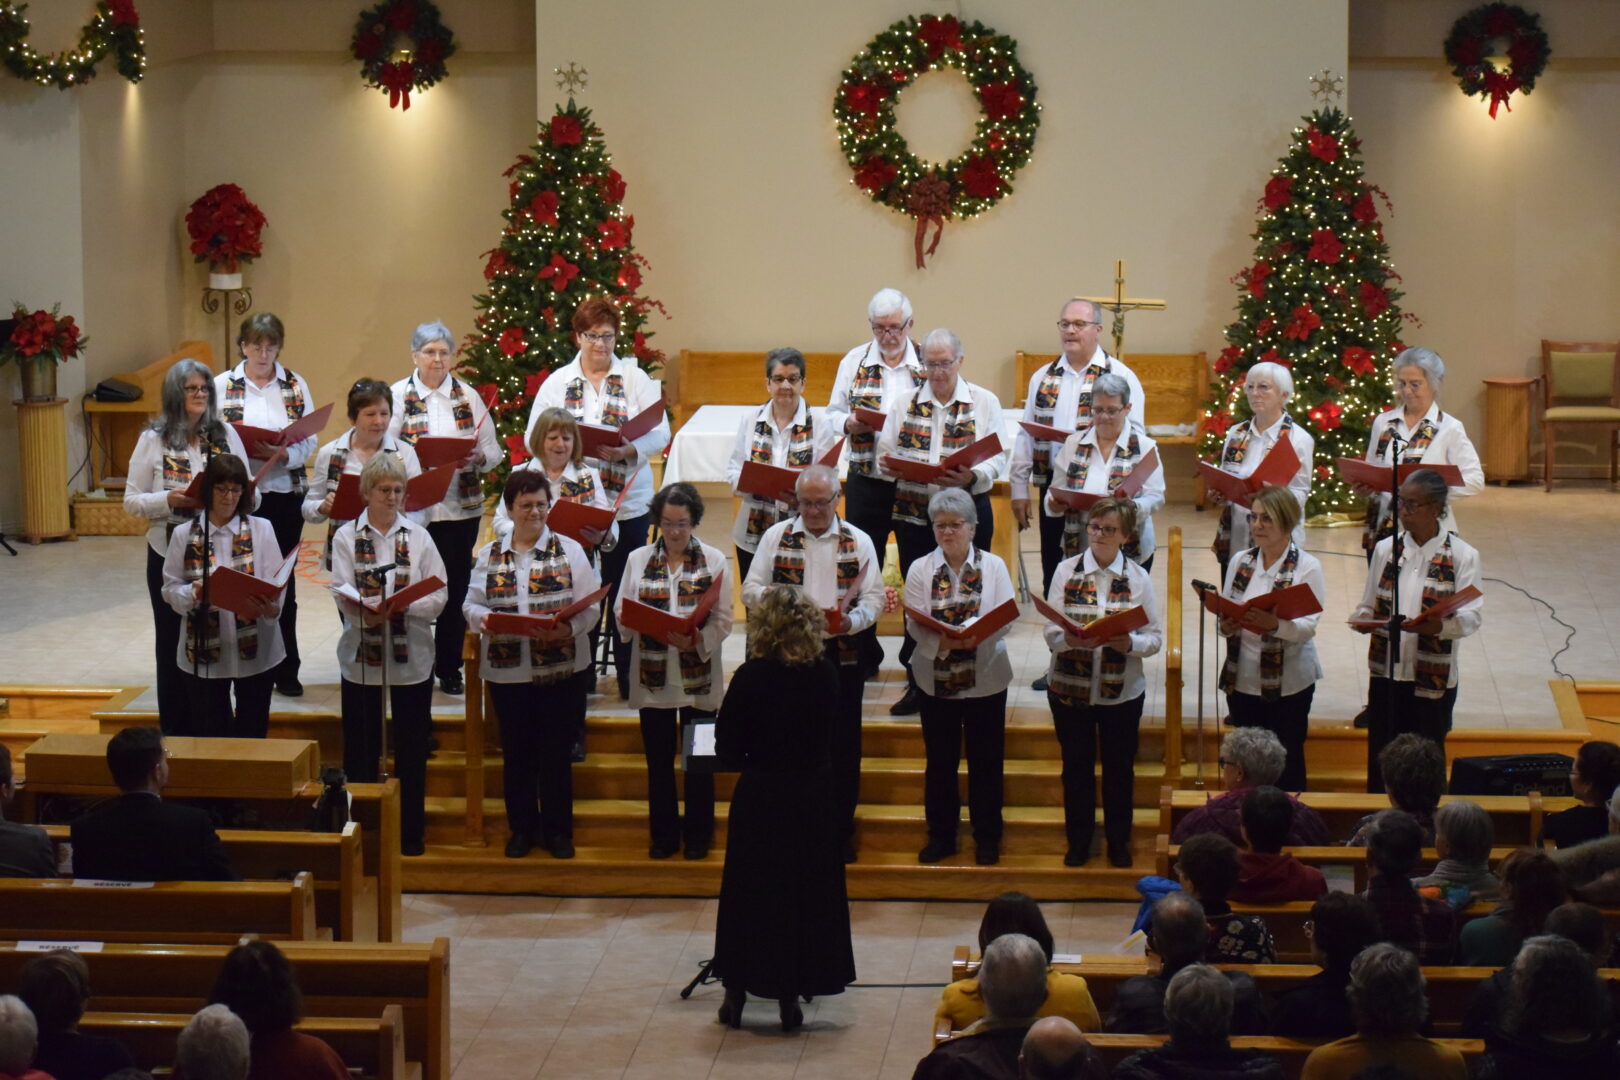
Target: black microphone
1204	586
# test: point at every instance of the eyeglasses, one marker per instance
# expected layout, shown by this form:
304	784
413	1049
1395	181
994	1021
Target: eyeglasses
889	331
606	337
200	391
227	489
434	353
1070	324
785	380
936	366
816	504
1107	414
1223	762
1255	517
267	347
949	526
674	526
1097	528
1418	504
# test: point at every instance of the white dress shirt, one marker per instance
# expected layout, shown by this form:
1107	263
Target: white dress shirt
1300	665
1144	642
352	465
986	422
641	393
263	407
1066	411
145	494
441	422
991	667
1260	444
898	380
419	615
1414	572
1450	446
710	636
476	606
1149	499
822	440
820	572
177	591
502	523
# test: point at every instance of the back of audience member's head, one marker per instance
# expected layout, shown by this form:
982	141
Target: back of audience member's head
1532	885
256	983
1414	772
1268	814
1256	752
1209	864
1179	933
1012	977
1054	1049
1015	913
132	754
55	986
1394	843
1198	1006
1463	831
19	1035
1555	990
214	1045
1341	926
1583	924
1387	991
1597	763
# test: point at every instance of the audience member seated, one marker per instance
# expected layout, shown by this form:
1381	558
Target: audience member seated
1318	1008
1207	869
1250	757
1265	874
1179	936
1580	923
212	1046
1592	869
1593	780
1414	772
1054	1049
18	1038
24	849
138	836
56	987
1066	995
1557	1020
1012	981
1532	885
1405	917
257	984
1198	1010
1463	835
1388	999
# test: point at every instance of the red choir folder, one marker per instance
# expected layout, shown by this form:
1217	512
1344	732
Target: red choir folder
1044	432
830	458
295	432
389	605
1277	469
635	615
1294	602
972	634
437	451
428	488
1128	488
593	437
921	472
767	481
232	590
1376	475
346	502
194	489
506	622
1111	626
1442	610
835	614
872	418
571	519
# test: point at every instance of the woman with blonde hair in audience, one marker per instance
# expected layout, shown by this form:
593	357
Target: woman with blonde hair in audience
1066	995
1532	886
257	983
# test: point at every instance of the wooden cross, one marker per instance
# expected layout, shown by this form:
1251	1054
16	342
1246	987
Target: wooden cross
1119	305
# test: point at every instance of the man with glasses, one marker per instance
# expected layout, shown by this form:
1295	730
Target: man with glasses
825	556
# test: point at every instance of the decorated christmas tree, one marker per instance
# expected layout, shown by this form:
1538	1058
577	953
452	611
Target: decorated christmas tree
1320	299
567	238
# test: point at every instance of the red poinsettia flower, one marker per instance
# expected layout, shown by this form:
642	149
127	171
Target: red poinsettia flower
523	161
1216	423
1321	146
1468	52
497	263
512	341
611	186
1358	360
519	453
1272	356
1002	101
224	228
1257	278
1333	381
1278	193
980	179
1328	415
1303	322
1324	473
615	234
531	383
560	272
123	12
543	207
1228	357
566	131
938	34
401	15
876	173
863	98
1374	300
996	140
550	315
629	276
1365	211
1264	327
1325	247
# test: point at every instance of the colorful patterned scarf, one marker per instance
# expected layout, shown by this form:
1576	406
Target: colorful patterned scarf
292	399
763	513
177	473
371	584
1234	454
956	670
1045	405
866	392
691	582
469	487
247	633
915	442
550	588
1380	510
615	411
1070	681
1271	646
1127	452
789	570
1431	669
334	476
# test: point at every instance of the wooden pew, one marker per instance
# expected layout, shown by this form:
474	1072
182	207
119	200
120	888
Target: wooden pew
1515	818
737	378
345	899
337	980
1165	854
373	1045
1291	1052
197	912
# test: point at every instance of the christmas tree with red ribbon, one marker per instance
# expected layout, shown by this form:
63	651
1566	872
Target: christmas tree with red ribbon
567	238
1320	299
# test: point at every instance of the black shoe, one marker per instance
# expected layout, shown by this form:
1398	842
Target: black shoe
1039	684
561	847
731	1009
577	754
935	850
412	847
849	852
910	703
872	671
1077	856
987	854
662	851
452	684
792	1015
1119	856
518	845
289	686
1361	720
697	849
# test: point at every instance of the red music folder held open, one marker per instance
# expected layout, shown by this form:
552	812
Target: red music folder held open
346	501
1376	475
593	437
662	625
1294	602
767	481
571	519
429	488
969	635
295	432
835	614
872	418
920	472
1441	610
1104	629
436	451
507	622
1044	432
232	590
391	604
1128	488
1278	467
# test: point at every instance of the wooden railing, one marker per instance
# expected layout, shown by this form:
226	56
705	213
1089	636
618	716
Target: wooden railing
474	735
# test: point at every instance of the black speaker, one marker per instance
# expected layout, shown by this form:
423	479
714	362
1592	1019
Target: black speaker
1511	774
117	390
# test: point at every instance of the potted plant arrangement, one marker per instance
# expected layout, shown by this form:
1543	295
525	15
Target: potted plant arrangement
40	340
224	226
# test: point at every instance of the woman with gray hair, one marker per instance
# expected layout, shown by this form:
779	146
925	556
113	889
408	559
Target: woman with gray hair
1268	387
963	684
170	454
1198	1012
1463	835
1388	996
1556	1021
1417	431
432	403
1250	757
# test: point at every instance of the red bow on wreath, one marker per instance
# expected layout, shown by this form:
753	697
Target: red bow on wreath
1500	85
397	79
928	199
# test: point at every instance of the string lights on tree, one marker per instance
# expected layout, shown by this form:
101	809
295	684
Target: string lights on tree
115	28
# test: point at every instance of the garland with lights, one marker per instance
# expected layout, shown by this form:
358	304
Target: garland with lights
115	28
884	166
1320	299
1469	45
373	45
567	238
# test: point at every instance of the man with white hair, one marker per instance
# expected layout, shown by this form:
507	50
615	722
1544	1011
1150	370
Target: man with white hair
1012	983
213	1046
19	1037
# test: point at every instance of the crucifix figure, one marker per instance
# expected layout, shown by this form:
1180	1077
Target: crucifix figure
1119	305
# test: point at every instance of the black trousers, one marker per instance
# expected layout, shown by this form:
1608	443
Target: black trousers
948	723
283	510
869	506
745	559
537	733
174	703
409	722
632	534
1289	718
1429	717
1051	539
211	711
844	737
1081	731
661	740
917	541
455	540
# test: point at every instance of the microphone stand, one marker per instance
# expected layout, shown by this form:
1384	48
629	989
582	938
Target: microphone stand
1396	619
387	629
199	631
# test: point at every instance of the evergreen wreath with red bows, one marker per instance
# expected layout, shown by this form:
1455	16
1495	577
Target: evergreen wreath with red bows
114	29
1469	46
375	36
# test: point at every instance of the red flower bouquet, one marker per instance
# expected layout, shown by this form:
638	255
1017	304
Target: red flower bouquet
224	228
42	335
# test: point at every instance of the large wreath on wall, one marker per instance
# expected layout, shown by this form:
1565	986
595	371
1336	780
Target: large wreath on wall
115	28
376	34
1469	46
884	166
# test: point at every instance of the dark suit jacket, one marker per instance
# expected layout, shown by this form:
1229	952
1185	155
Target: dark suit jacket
1139	1005
25	851
139	837
991	1054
